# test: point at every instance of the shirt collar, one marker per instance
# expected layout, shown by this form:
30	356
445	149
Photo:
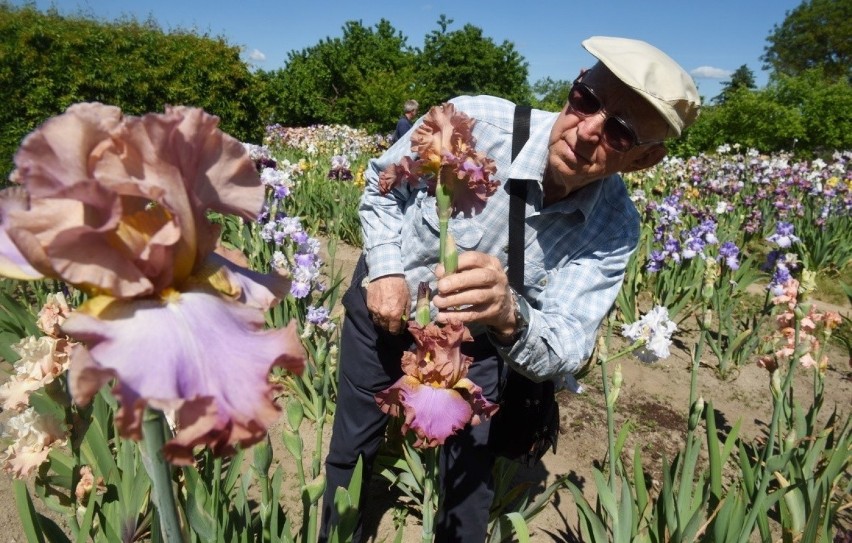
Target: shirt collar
583	199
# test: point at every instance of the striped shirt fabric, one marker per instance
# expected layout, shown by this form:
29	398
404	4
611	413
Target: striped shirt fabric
576	250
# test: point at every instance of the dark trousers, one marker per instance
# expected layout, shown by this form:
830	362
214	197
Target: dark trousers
370	363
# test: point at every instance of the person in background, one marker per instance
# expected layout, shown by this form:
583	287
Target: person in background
403	125
580	230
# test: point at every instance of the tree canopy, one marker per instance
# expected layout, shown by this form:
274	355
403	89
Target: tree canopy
364	77
466	62
816	34
360	79
742	78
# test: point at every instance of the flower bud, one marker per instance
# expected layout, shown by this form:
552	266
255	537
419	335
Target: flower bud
292	442
263	456
422	314
790	440
696	412
617	380
807	284
295	413
314	489
775	384
711	273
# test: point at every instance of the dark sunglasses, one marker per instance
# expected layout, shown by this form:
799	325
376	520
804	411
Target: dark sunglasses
618	135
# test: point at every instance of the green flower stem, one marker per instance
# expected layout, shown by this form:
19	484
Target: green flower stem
431	461
766	476
154	431
635	345
217	496
610	423
696	362
444	198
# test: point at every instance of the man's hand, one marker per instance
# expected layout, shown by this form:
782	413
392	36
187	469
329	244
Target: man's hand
477	292
388	301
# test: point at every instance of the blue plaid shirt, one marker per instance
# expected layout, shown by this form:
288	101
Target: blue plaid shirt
576	250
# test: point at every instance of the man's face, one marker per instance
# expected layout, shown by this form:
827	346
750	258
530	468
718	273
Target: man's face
577	154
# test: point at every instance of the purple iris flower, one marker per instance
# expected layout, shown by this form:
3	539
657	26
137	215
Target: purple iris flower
672	248
656	261
300	289
317	315
730	252
692	247
305	260
783	236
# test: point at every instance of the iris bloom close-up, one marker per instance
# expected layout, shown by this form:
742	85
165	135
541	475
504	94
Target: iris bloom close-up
447	154
435	395
116	206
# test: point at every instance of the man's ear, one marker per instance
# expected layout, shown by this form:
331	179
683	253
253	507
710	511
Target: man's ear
648	158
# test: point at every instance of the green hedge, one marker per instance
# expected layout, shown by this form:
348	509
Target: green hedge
49	61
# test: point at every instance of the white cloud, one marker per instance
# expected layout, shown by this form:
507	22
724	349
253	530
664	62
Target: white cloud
257	55
709	72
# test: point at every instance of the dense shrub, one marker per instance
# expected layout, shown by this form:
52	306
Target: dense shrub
49	61
803	114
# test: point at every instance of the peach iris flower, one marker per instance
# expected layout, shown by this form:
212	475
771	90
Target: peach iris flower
435	394
116	206
447	151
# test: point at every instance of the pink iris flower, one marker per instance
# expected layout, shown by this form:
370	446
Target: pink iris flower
435	394
447	151
116	206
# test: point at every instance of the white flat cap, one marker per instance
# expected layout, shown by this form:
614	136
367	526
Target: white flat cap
653	74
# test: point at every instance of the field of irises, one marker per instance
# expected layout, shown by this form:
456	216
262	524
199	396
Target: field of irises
738	247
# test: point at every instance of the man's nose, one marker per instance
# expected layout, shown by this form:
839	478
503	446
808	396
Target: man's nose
591	128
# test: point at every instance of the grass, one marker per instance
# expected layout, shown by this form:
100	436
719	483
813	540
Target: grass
830	286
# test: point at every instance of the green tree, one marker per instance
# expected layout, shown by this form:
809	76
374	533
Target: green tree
359	79
550	95
803	114
815	34
824	109
466	62
749	118
742	78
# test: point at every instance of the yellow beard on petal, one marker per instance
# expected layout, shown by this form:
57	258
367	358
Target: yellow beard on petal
216	277
96	305
170	295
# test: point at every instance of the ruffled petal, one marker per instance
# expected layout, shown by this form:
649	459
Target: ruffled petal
13	264
480	406
390	399
118	204
435	413
206	357
227	271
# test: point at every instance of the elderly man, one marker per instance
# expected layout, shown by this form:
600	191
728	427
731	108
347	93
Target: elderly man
580	229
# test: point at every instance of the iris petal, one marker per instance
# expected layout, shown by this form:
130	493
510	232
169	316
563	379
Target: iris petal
204	356
12	262
435	413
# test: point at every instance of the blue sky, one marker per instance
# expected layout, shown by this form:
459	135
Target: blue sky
709	38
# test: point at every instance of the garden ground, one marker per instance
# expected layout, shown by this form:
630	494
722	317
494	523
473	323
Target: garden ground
653	400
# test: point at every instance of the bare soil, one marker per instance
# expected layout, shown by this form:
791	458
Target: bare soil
653	401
